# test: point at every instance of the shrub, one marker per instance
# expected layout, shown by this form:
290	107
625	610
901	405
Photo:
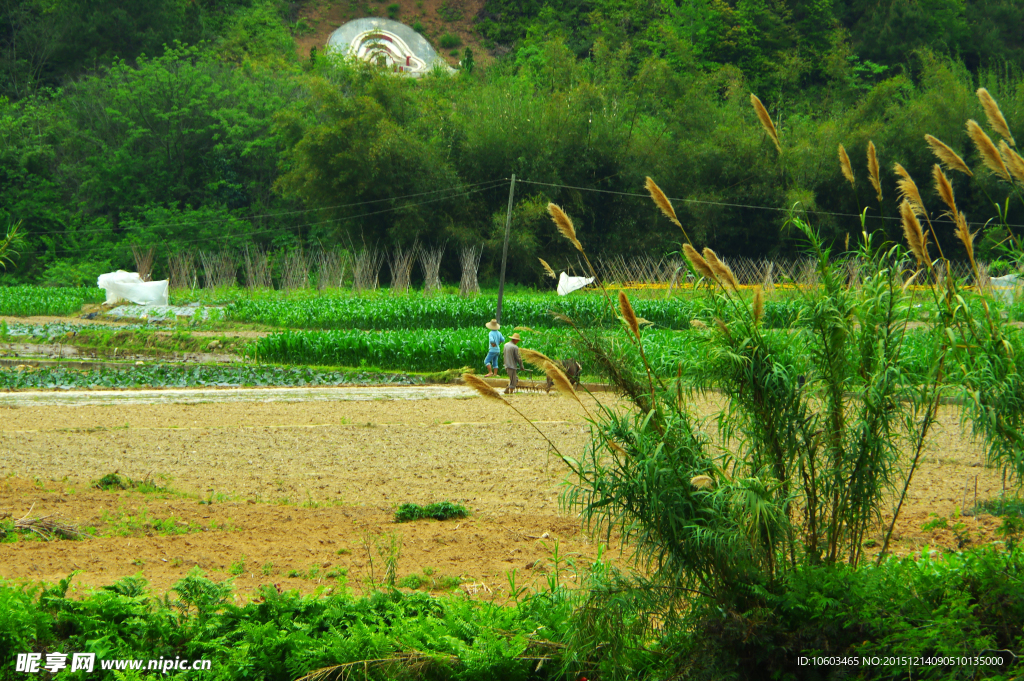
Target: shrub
450	40
444	510
393	10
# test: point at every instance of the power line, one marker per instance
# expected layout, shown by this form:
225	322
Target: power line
289	228
742	205
187	222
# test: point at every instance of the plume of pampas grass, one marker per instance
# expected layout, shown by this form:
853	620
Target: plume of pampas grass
551	370
758	305
944	189
989	153
915	236
844	165
995	116
564	225
628	314
947	156
908	190
480	385
723	328
547	269
662	201
702	481
1014	162
721	270
966	238
873	170
766	121
698	262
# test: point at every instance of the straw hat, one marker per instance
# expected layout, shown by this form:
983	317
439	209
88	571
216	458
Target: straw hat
493	325
514	337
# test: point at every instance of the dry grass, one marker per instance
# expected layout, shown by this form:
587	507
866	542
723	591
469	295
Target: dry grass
908	191
947	157
944	189
629	315
844	165
722	272
989	153
766	121
698	262
564	225
995	116
758	309
916	239
873	175
1014	162
548	272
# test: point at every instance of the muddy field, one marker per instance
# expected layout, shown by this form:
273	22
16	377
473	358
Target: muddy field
301	491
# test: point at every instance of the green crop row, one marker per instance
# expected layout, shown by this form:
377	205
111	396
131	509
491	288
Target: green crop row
169	376
25	301
669	352
386	312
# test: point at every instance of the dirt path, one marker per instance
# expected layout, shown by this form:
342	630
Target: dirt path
297	481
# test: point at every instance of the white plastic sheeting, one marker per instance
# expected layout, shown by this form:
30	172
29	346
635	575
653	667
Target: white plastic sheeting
567	284
129	286
1004	288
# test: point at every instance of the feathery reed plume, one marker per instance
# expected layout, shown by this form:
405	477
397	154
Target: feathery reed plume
552	371
908	190
723	328
844	165
995	116
916	239
628	314
548	272
947	156
944	189
538	359
873	170
1013	161
480	385
662	201
965	236
698	324
721	270
989	154
766	120
702	481
758	305
698	262
564	225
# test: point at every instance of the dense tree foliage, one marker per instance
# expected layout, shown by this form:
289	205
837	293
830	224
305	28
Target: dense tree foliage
193	124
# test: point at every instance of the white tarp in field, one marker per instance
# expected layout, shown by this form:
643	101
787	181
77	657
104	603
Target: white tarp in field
567	284
121	286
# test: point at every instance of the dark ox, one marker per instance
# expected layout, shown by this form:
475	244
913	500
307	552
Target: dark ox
572	370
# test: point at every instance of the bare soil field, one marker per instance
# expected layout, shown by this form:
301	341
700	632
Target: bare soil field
299	493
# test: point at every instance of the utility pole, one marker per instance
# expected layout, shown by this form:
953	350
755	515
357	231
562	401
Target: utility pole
504	252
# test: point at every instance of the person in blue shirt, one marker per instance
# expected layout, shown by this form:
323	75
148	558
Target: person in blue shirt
494	341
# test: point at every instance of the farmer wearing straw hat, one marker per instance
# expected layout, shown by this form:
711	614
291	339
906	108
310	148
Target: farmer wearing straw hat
494	341
513	363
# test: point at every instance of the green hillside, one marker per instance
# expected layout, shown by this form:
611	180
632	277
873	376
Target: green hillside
201	124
